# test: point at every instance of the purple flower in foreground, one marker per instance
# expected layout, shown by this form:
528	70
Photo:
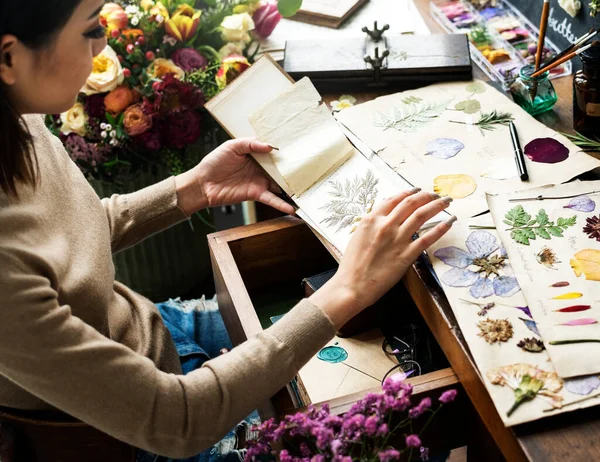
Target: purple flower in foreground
481	267
448	396
388	454
420	408
413	441
424	453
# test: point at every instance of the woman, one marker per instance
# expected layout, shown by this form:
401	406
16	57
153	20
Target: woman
73	339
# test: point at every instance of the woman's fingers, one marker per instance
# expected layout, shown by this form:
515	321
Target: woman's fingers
385	207
408	206
270	199
421	215
243	146
430	237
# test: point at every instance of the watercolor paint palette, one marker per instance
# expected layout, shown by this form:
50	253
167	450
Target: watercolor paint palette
502	40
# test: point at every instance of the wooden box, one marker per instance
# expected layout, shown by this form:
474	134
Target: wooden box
268	260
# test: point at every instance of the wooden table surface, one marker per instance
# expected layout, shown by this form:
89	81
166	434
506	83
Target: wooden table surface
568	437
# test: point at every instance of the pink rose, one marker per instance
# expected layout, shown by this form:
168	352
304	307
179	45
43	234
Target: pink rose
266	19
136	121
189	59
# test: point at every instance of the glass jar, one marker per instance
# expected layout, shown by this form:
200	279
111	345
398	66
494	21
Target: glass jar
586	94
534	94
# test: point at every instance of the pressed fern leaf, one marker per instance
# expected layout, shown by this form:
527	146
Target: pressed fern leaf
489	120
350	201
410	117
524	229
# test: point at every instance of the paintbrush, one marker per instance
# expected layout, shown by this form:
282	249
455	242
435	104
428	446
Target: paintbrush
542	37
564	59
584	38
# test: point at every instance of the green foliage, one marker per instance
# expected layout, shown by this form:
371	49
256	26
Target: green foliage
411	100
410	117
475	87
205	79
351	200
585	143
524	228
288	8
468	106
480	37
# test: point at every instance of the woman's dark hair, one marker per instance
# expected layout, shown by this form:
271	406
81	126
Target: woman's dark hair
35	23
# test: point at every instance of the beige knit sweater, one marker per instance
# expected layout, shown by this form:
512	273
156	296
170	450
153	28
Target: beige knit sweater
74	339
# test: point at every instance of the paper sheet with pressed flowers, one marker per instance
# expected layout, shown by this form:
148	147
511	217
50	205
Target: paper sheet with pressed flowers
554	246
479	280
452	138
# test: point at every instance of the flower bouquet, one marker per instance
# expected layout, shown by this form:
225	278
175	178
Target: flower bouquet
366	432
143	102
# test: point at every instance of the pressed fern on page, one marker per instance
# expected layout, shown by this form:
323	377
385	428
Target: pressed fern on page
350	201
409	117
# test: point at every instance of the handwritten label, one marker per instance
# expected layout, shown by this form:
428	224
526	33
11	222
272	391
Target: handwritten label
562	28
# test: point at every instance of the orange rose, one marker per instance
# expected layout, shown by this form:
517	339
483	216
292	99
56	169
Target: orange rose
136	121
131	35
113	17
119	99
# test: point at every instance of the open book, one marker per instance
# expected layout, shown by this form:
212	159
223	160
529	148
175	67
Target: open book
333	184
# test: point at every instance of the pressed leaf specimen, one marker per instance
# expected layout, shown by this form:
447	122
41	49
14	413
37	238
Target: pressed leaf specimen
568	296
468	106
350	201
546	151
457	186
574	309
411	100
475	87
524	227
587	262
579	322
495	330
587	144
547	257
444	148
490	120
410	117
581	204
531	344
483	307
528	382
483	267
592	227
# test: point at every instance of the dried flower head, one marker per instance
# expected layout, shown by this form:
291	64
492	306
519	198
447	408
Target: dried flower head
532	345
547	257
592	228
495	330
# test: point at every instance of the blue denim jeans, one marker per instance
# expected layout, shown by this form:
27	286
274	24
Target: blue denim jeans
199	334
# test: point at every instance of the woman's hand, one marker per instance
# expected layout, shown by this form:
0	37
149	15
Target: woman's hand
229	175
380	253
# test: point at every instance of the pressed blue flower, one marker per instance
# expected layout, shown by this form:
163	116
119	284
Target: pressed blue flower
483	267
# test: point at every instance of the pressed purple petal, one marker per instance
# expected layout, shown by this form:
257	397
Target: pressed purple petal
481	244
482	288
581	204
525	309
503	252
546	151
453	256
458	277
508	270
531	325
582	385
505	286
444	148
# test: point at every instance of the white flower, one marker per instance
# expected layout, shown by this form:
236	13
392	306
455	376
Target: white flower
132	9
108	127
160	18
235	28
74	120
572	7
103	134
233	48
344	102
113	134
135	21
170	40
103	126
107	73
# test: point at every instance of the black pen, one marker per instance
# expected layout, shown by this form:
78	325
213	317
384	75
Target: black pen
519	157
